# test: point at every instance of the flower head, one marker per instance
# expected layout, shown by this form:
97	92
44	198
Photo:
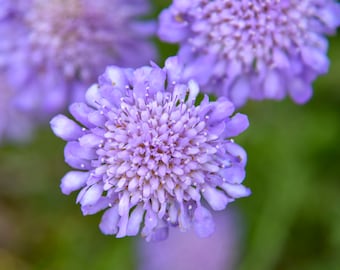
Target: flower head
149	156
53	50
252	49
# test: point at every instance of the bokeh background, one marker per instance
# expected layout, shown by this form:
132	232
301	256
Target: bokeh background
291	221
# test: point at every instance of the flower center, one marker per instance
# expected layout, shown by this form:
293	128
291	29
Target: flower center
156	147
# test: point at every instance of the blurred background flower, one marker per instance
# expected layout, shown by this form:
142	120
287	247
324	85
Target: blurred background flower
54	50
291	221
252	49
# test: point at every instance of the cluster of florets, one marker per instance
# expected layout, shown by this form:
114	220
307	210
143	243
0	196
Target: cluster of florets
252	49
149	156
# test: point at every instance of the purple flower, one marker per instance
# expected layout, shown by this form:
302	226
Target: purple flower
146	154
53	50
252	49
14	124
185	251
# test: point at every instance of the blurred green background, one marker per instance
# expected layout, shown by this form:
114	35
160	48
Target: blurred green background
292	219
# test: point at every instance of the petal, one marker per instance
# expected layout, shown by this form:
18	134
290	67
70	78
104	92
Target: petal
234	174
315	59
193	91
114	76
273	86
122	225
124	204
180	91
239	91
90	140
194	194
150	223
80	112
173	69
97	118
221	110
234	68
173	213
78	157
299	90
171	28
65	128
330	16
280	59
112	95
217	199
102	203
135	221
160	233
203	222
156	80
140	81
80	151
184	221
238	152
109	221
93	96
236	191
217	129
72	181
200	68
237	124
92	195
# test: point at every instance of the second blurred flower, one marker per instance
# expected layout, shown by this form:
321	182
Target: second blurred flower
252	49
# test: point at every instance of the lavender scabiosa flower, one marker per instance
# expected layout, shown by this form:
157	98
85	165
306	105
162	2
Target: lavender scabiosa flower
252	49
149	156
53	50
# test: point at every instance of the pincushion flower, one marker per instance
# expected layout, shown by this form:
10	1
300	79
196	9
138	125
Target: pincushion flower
146	154
252	49
53	50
